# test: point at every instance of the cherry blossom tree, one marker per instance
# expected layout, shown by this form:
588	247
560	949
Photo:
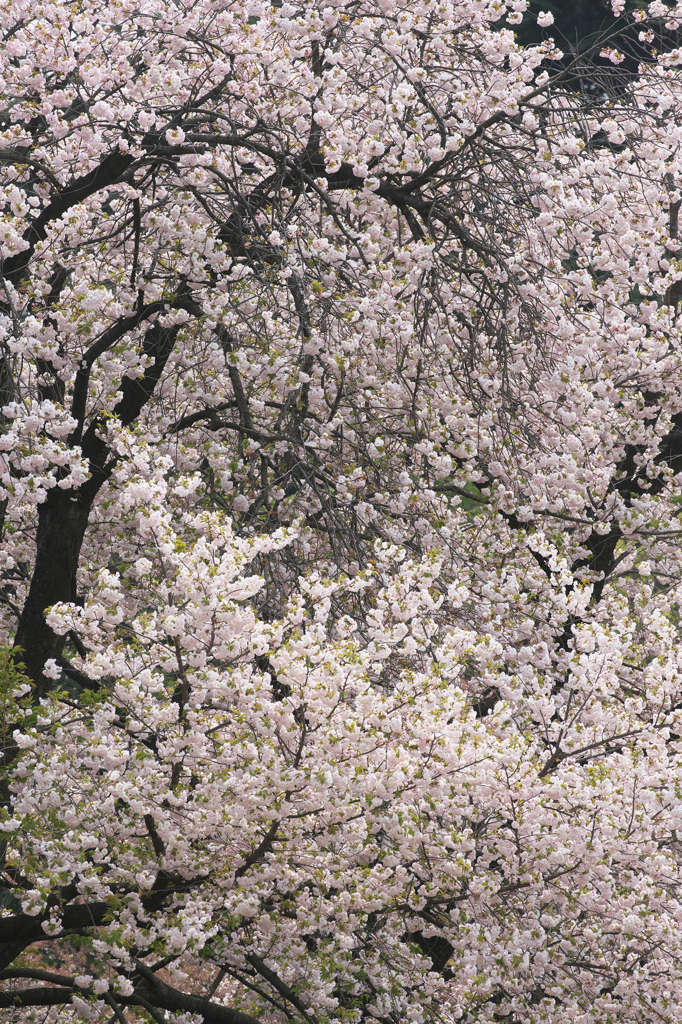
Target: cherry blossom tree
339	515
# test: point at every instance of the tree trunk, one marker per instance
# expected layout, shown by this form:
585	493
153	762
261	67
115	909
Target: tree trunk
62	520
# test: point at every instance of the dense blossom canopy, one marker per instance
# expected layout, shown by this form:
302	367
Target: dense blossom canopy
340	462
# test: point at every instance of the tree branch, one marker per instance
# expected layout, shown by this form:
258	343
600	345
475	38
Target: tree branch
108	172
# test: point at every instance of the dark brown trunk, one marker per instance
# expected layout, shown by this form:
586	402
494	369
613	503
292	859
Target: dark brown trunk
62	520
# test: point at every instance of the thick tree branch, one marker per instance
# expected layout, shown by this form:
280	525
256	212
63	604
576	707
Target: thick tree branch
107	173
165	997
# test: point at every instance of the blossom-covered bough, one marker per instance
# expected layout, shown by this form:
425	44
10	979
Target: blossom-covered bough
340	516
